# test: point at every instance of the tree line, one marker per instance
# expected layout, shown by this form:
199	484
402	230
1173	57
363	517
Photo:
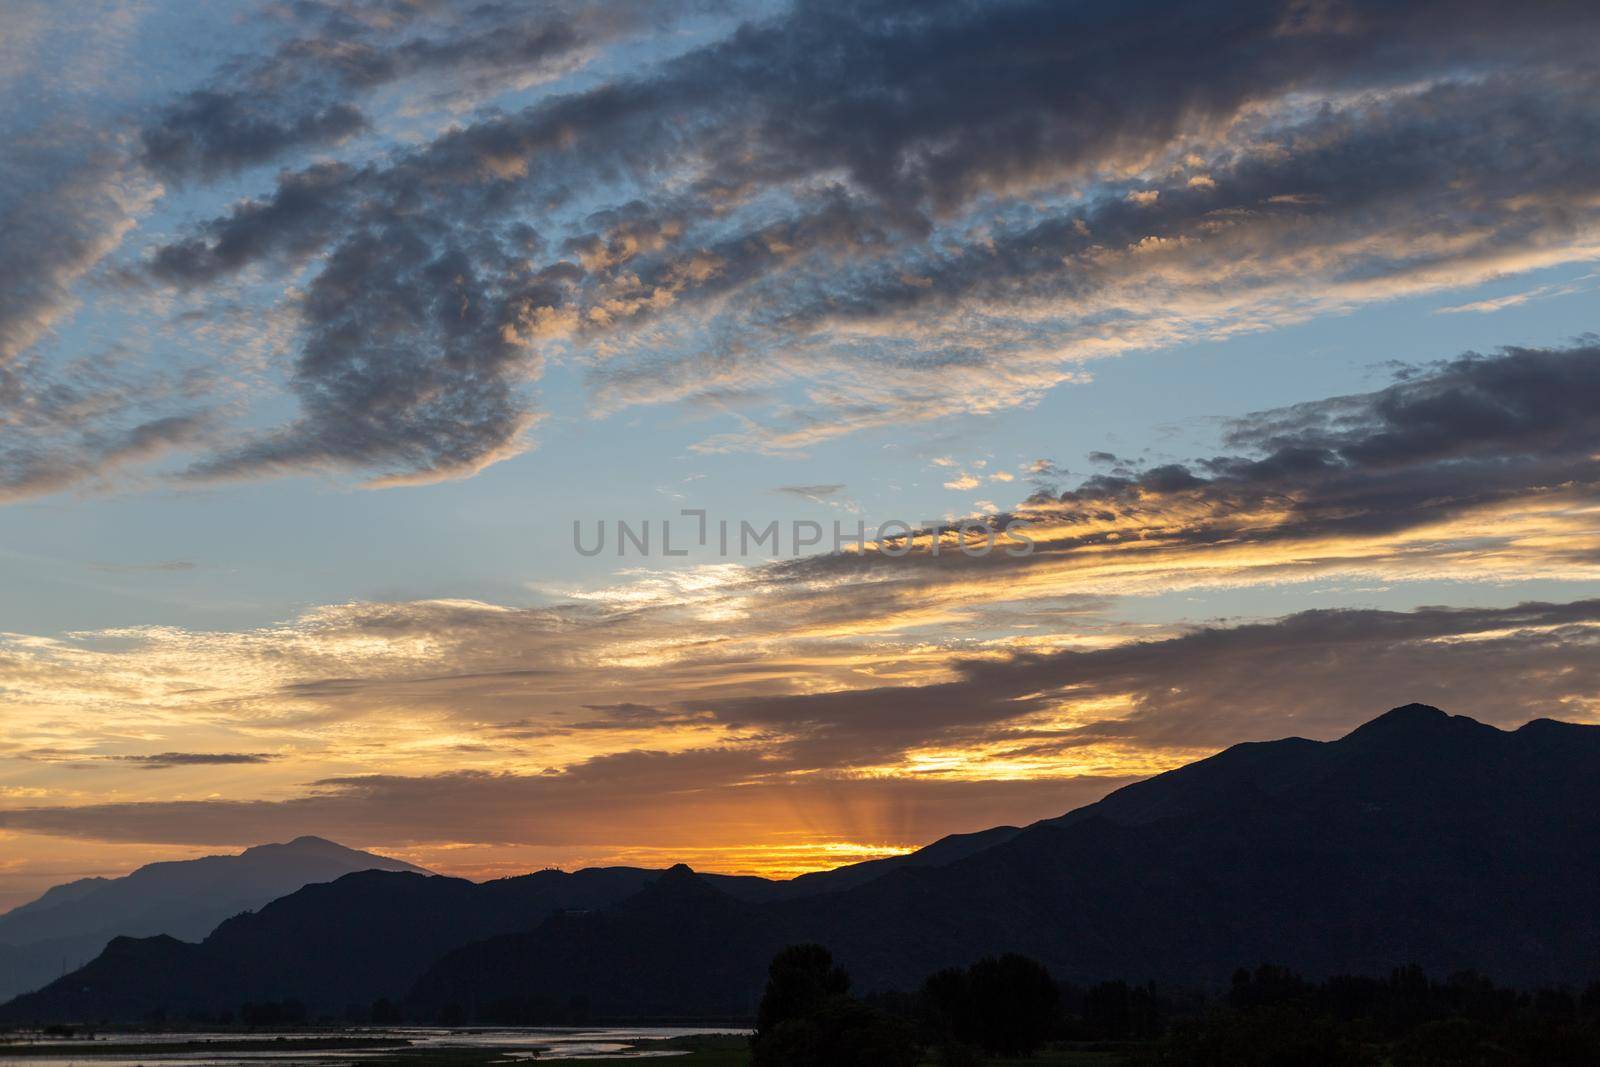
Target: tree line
1010	1006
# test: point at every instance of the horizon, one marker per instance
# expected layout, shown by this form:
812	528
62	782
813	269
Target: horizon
382	851
769	436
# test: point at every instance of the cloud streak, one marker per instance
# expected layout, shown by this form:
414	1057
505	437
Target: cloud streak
812	201
1184	695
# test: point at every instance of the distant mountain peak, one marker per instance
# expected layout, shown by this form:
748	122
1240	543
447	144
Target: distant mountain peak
303	843
681	882
679	887
1407	718
311	846
187	899
1413	712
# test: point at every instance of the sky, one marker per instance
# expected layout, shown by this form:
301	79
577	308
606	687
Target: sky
336	335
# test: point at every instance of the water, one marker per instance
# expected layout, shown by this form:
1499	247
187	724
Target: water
511	1044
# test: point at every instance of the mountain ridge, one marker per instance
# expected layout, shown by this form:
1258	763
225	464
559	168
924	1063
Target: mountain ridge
68	924
1418	837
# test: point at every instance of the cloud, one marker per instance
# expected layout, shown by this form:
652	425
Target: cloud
1462	460
816	494
162	761
69	198
302	94
1500	303
1523	403
895	244
405	367
1477	468
159	761
170	566
149	762
844	697
210	133
30	470
1315	674
658	796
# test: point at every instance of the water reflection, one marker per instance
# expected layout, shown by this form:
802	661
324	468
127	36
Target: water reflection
504	1045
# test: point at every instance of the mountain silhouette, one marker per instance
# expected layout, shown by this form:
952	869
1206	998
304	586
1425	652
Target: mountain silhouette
69	924
1419	837
363	937
941	853
621	960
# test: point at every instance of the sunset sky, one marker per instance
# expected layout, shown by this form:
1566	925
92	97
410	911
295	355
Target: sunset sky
322	322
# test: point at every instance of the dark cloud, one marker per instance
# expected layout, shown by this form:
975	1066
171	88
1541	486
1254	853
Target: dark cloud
407	364
1340	485
620	718
934	101
816	494
1294	192
162	761
211	132
30	470
1519	404
688	799
64	203
1446	440
819	164
66	199
158	761
294	222
300	95
1317	673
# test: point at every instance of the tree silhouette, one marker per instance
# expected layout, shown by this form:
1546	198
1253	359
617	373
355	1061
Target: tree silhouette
800	980
807	1018
1008	1005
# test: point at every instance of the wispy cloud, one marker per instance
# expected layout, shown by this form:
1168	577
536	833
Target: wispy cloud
829	254
816	494
856	675
171	566
1500	303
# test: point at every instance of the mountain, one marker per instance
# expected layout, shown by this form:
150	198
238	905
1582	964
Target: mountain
69	924
621	960
1420	837
332	946
374	935
942	852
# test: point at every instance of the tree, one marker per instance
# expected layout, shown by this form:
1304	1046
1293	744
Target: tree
799	980
1008	1004
807	1018
839	1032
1017	1004
384	1012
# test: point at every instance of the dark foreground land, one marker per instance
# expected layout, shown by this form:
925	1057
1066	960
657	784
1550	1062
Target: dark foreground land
1000	1011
